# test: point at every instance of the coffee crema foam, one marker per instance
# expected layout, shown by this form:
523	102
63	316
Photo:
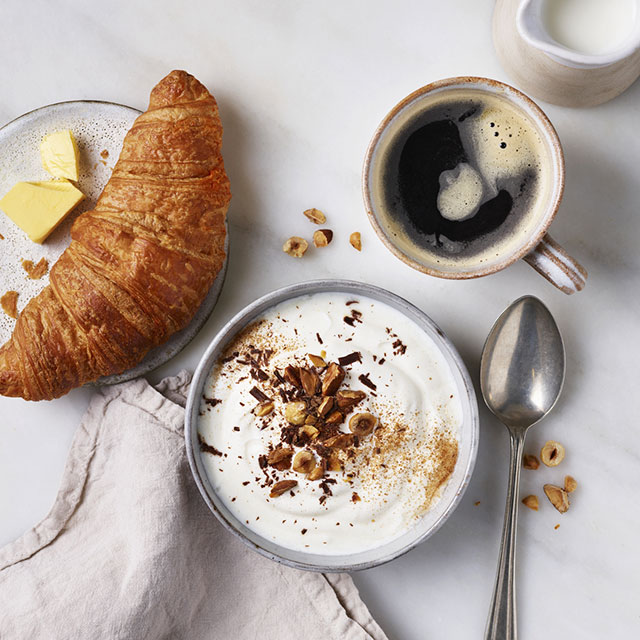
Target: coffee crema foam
461	178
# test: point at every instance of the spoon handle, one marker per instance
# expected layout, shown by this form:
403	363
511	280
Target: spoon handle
501	624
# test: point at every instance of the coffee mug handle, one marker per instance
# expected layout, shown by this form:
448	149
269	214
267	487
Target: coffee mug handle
557	266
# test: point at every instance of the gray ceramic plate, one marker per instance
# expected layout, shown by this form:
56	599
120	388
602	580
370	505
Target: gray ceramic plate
432	520
98	127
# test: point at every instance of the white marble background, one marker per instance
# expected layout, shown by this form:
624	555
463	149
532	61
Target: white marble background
301	87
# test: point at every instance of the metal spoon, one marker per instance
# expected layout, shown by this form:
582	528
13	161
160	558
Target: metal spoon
521	376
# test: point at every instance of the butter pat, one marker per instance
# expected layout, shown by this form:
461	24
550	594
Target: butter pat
59	153
39	207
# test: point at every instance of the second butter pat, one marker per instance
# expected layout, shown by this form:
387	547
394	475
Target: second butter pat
39	207
59	154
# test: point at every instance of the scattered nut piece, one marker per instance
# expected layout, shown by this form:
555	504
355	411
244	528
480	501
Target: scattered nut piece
341	441
36	271
333	463
309	431
356	240
292	376
531	502
295	246
348	399
322	237
334	418
280	458
316	216
317	361
310	420
304	462
362	424
570	484
552	454
282	487
530	462
317	473
325	407
9	302
264	409
355	497
310	381
333	378
295	412
558	497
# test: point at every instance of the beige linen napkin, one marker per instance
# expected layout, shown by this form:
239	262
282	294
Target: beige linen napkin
130	550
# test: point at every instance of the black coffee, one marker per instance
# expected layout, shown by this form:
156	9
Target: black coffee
462	174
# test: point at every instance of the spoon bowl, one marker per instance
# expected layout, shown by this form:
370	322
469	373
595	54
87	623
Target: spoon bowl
521	376
523	364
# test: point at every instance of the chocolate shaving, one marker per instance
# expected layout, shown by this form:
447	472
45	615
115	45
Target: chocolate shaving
350	302
356	356
319	338
207	448
364	378
212	402
259	395
350	321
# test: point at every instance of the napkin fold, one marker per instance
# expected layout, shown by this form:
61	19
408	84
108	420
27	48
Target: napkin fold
130	550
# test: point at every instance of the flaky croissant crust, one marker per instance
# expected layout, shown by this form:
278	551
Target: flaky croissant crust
140	264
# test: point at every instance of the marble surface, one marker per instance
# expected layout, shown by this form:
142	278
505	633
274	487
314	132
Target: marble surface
301	87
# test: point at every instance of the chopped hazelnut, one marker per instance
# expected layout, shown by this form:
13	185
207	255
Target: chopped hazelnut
264	409
347	399
558	497
531	502
295	412
310	381
282	487
316	216
334	418
355	240
280	458
530	462
333	378
362	424
317	473
295	246
322	237
310	420
309	431
317	361
570	484
325	406
292	376
333	463
341	441
552	454
304	462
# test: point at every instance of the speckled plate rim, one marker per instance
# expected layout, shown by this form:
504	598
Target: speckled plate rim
178	341
322	562
521	100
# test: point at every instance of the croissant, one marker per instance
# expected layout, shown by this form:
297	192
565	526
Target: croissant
140	264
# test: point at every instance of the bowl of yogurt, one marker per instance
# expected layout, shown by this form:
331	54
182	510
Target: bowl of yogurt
332	426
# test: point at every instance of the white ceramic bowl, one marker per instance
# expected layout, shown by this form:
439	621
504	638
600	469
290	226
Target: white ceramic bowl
430	522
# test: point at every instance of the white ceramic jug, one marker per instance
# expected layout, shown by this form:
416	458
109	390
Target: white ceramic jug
569	52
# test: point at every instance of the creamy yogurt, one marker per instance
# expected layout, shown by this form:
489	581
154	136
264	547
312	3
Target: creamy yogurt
387	480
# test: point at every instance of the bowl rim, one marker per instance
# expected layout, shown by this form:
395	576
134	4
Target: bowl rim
241	320
491	86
